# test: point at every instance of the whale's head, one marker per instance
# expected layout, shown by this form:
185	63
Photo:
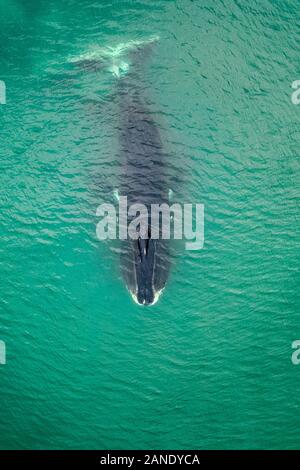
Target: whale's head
145	269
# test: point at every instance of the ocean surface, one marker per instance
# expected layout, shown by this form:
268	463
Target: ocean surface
209	366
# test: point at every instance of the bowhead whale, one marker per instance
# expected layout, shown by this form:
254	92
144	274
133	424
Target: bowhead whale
144	262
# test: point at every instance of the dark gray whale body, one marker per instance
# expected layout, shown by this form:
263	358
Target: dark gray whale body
144	262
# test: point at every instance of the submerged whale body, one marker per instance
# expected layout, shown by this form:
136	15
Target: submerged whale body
144	262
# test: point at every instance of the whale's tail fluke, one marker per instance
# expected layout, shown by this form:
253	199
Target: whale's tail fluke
116	60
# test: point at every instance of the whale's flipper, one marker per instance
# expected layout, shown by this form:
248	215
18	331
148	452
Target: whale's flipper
117	59
116	195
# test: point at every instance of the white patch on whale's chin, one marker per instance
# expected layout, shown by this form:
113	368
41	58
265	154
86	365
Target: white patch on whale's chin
135	298
156	297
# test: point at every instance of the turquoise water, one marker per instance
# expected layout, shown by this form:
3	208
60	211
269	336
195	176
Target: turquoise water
209	366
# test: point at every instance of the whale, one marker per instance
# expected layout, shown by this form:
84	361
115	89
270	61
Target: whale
145	260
